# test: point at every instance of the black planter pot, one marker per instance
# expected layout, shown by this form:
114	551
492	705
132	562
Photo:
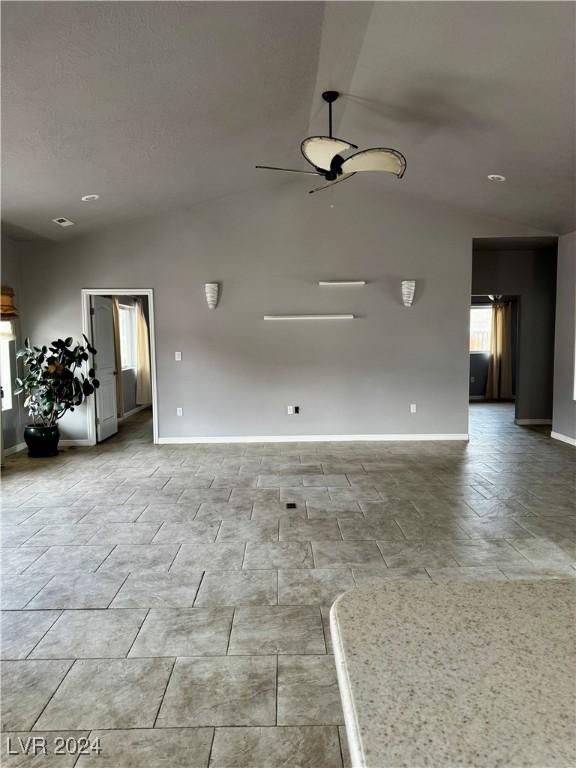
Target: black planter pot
41	441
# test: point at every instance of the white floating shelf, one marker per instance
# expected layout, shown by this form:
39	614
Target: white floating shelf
342	282
308	317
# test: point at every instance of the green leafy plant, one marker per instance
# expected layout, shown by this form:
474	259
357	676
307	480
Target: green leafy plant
54	382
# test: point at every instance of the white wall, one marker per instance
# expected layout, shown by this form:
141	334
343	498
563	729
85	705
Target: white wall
564	417
269	249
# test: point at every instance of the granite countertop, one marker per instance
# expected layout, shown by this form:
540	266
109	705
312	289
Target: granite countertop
458	674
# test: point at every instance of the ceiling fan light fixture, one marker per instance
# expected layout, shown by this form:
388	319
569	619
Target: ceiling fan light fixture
321	151
324	155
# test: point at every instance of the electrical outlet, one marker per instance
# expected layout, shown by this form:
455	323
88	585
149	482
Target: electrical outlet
412	407
472	379
293	410
178	356
178	411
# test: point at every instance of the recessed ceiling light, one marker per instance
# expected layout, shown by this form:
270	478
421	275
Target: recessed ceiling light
89	198
496	177
62	221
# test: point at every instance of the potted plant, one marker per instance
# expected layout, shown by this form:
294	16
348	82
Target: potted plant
53	384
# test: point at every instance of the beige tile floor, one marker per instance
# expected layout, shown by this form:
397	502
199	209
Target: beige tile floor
165	600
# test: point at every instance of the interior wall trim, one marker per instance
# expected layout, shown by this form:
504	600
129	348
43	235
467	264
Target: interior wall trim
83	442
14	449
311	438
563	438
79	443
528	422
133	412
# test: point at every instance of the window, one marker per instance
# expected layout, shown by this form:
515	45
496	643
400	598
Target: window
5	364
127	336
480	328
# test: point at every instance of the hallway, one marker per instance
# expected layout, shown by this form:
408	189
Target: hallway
165	600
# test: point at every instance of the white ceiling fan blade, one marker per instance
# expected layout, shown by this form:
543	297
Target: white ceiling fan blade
319	150
331	183
388	160
288	170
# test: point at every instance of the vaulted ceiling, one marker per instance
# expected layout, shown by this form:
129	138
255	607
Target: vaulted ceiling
162	105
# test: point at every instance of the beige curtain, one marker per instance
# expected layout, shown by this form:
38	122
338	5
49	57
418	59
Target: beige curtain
499	383
143	379
118	358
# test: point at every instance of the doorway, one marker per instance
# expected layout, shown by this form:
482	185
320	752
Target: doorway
519	275
120	324
493	361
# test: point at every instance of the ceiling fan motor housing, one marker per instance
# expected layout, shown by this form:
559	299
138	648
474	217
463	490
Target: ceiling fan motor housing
335	168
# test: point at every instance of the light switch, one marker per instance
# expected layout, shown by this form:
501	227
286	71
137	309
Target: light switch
178	356
178	411
412	407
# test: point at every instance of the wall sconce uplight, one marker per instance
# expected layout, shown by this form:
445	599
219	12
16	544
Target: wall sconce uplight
212	292
408	291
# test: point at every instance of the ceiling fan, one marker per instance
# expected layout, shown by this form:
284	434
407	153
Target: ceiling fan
324	155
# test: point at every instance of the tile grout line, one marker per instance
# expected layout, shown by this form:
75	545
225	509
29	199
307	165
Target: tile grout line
211	746
277	689
118	590
55	691
231	628
198	589
164	693
44	635
179	547
127	655
35	595
96	570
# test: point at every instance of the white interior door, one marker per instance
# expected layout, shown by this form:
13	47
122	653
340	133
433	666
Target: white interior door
105	366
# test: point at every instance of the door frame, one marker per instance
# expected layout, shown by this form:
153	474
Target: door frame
90	402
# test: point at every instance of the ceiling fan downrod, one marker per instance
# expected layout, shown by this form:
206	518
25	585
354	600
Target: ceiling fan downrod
330	97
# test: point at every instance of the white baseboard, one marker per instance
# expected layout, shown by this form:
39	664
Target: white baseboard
563	438
528	422
84	443
80	443
14	449
133	411
308	438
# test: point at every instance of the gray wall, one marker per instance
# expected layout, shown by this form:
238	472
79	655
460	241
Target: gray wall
269	249
12	420
564	420
530	274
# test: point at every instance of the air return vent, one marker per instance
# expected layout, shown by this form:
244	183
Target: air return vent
62	221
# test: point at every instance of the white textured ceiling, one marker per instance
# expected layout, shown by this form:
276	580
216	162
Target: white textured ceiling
161	105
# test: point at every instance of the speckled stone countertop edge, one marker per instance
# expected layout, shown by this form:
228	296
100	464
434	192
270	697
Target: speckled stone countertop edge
348	687
357	758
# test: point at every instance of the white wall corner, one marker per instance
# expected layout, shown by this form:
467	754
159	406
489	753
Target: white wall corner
563	438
